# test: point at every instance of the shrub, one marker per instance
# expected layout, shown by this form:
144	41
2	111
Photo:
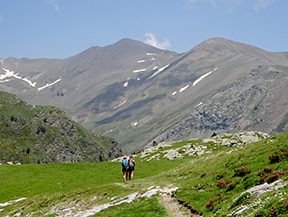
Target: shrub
268	175
241	171
278	209
278	156
220	175
213	202
222	184
228	184
259	214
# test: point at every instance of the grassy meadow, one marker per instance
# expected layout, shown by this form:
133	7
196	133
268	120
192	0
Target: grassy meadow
212	184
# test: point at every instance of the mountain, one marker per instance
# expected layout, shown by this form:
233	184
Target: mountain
45	134
138	94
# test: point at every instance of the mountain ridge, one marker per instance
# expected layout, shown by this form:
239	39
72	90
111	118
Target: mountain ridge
125	90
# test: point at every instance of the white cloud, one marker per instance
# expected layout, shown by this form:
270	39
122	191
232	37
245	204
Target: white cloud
54	3
152	40
262	4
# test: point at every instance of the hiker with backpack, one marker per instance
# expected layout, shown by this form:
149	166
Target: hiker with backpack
131	167
124	168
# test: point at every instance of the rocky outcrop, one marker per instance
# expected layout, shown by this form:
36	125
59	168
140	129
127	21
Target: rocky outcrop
227	139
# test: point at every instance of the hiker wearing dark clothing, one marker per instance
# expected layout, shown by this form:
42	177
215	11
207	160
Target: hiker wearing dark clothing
124	168
131	167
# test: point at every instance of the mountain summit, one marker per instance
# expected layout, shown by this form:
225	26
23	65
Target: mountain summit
137	93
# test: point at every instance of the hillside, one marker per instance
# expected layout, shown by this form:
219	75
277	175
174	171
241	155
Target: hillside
243	174
45	134
138	94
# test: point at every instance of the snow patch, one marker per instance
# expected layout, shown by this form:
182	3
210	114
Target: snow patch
48	85
150	54
174	93
29	82
198	104
6	80
9	73
135	123
125	84
155	67
141	61
139	70
158	71
138	79
152	59
203	76
120	105
183	88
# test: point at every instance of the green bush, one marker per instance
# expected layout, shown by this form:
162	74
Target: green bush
241	171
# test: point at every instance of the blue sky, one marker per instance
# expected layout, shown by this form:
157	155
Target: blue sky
63	28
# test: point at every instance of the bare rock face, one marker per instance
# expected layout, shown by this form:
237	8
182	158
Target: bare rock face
249	103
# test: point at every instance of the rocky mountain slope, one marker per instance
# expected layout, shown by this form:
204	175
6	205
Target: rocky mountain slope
39	134
137	93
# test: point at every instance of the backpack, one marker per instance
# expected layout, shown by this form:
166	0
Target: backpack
131	163
124	163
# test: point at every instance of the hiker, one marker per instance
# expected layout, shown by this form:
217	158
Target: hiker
124	168
131	167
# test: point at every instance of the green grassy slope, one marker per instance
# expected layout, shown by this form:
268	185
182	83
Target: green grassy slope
45	134
84	185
